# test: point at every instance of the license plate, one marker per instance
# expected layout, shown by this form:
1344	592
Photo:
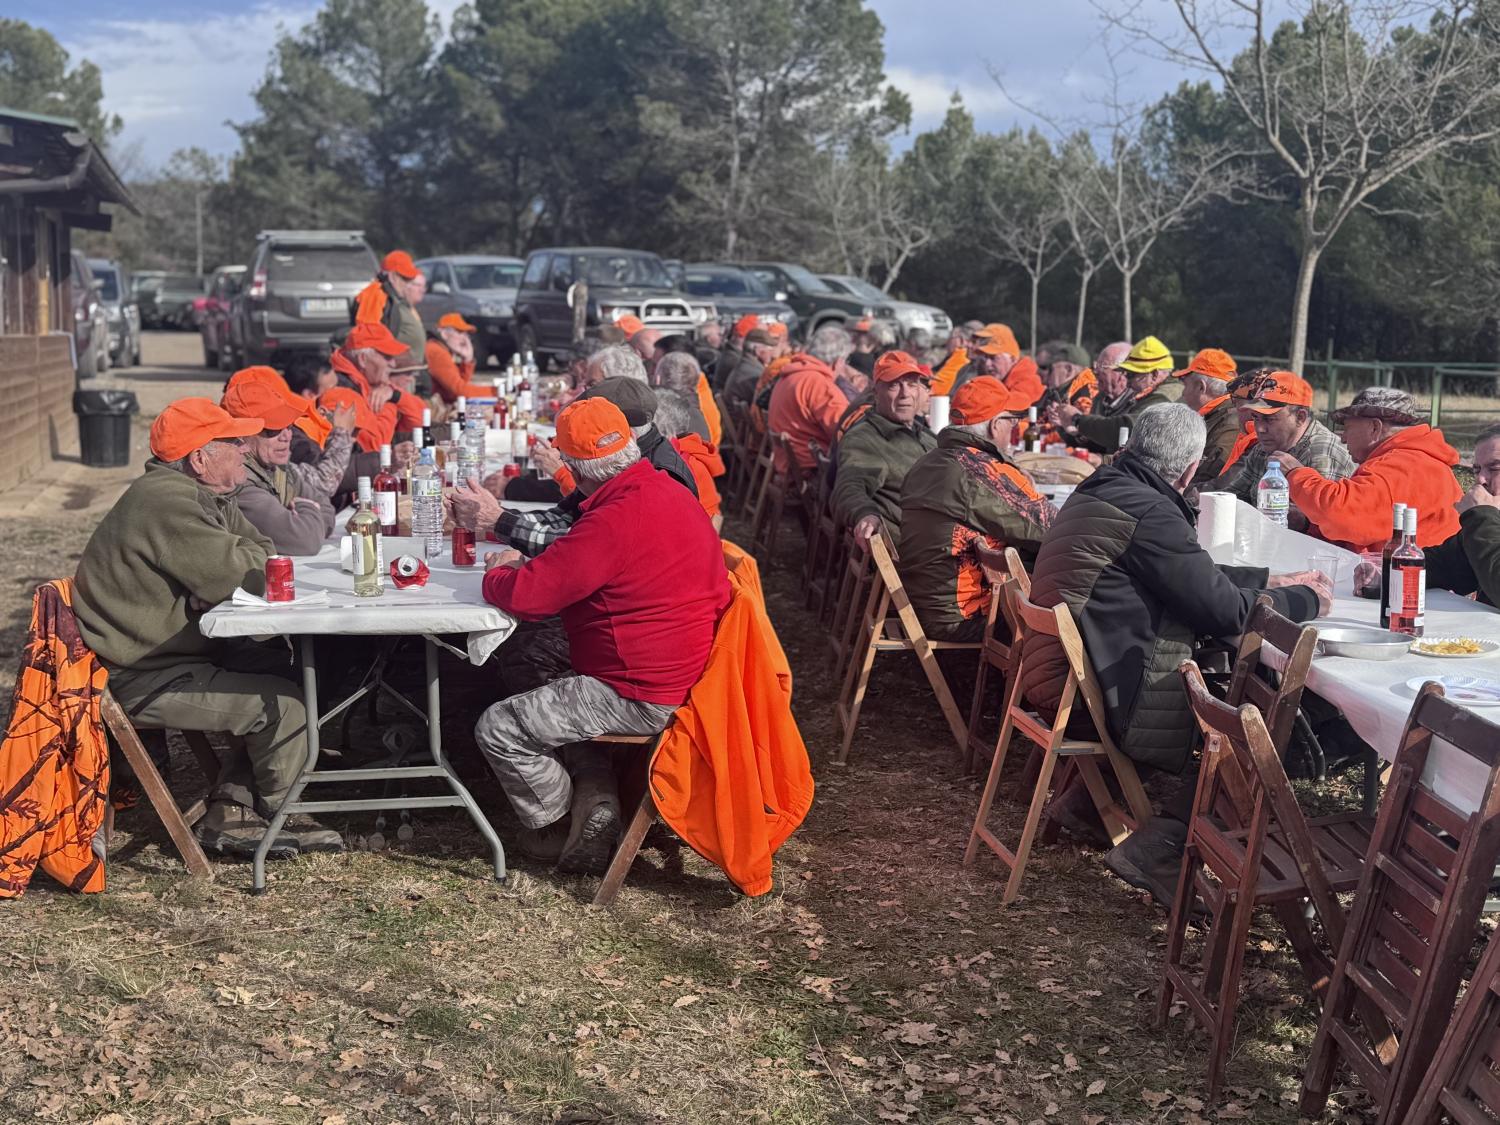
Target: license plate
313	306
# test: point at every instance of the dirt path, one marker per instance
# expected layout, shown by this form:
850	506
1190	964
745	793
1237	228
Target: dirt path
879	982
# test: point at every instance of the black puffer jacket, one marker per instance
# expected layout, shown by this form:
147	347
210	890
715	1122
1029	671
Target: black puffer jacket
1124	556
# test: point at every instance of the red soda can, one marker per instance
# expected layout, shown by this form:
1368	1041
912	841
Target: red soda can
280	586
511	470
463	546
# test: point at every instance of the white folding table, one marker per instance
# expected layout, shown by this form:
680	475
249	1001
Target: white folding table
450	603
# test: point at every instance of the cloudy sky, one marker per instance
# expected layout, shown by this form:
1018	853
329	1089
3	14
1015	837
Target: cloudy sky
178	71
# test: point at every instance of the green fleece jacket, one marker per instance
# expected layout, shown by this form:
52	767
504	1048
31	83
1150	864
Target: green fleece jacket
166	539
1101	432
874	457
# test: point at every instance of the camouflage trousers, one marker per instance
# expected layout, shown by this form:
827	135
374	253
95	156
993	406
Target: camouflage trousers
530	740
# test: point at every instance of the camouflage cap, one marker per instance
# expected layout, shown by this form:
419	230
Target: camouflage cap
1385	403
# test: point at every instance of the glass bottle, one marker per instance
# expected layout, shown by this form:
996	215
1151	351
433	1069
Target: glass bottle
368	550
1408	598
387	489
1398	529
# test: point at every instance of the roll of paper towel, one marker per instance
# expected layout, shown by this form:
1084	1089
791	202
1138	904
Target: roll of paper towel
1216	517
937	412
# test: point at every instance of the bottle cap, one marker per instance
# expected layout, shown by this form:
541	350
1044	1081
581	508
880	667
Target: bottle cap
1409	521
1031	414
416	435
426	416
385	454
462	404
362	486
1273	464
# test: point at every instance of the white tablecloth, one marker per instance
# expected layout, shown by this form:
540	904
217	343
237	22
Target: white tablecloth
451	602
1373	694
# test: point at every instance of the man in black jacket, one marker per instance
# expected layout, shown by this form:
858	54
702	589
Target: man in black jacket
1123	555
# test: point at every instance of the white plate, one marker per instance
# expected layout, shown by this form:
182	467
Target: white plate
1476	691
1485	648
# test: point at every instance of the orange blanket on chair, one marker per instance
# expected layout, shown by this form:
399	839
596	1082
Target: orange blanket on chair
731	775
54	762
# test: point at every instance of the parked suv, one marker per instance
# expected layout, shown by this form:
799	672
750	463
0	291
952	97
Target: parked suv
298	293
90	323
172	302
121	313
620	283
482	290
736	292
906	314
816	304
213	323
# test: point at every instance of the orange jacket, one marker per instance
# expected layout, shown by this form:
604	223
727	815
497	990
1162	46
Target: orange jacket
711	414
1413	466
806	406
773	371
372	428
943	377
731	774
54	762
451	378
704	462
1243	442
1024	378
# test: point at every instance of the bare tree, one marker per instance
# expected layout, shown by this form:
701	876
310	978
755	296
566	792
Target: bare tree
1076	188
1347	100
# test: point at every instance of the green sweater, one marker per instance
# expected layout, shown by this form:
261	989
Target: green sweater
167	538
1101	432
874	458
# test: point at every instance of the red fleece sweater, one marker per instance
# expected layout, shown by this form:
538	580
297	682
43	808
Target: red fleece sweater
639	582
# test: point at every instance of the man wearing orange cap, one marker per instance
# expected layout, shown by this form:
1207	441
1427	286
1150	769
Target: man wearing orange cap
173	546
1282	409
364	366
805	402
282	505
322	461
876	452
450	359
1205	387
997	354
639	612
967	491
391	300
757	349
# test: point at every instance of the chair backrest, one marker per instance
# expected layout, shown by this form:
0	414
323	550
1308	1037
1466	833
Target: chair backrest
1249	683
1000	570
1058	622
1461	1084
1426	875
822	483
1243	786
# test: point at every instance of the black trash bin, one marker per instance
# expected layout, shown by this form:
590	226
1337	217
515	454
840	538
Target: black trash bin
104	426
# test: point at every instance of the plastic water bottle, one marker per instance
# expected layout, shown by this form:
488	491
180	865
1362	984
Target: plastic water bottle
1274	495
427	505
473	437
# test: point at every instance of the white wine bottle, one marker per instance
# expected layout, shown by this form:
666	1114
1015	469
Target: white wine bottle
369	550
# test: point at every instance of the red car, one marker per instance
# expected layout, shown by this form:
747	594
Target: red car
212	314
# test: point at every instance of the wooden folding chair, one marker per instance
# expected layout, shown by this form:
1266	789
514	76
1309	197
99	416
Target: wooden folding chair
734	453
1461	1083
1249	845
822	533
771	488
1054	742
1414	918
879	632
749	443
640	821
177	822
855	577
994	653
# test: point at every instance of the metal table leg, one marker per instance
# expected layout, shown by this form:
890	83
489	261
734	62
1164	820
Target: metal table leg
457	797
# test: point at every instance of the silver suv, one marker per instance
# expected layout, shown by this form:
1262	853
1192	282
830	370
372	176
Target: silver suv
297	293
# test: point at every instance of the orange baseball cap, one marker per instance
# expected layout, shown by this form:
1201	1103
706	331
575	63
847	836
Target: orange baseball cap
259	392
590	428
191	423
997	339
374	335
629	325
455	321
1212	362
745	324
777	330
982	398
897	365
1281	389
863	325
399	263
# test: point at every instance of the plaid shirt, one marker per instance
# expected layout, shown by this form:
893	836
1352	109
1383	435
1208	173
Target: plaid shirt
1320	449
531	533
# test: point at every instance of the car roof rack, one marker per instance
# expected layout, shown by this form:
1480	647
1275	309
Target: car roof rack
311	235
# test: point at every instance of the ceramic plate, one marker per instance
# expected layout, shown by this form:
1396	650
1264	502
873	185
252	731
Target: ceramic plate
1477	691
1420	647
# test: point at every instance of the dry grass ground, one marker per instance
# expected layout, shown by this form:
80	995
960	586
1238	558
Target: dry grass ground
879	981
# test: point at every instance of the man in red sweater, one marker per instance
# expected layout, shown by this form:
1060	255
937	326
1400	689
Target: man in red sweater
639	582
